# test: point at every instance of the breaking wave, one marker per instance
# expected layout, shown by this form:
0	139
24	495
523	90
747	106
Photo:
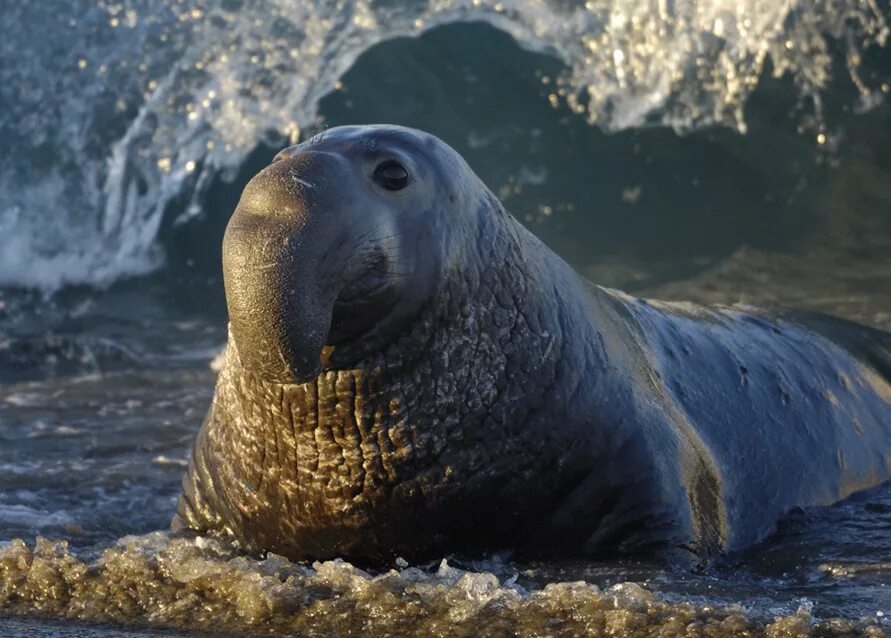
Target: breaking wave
122	113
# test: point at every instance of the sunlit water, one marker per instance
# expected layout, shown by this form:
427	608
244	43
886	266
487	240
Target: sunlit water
714	151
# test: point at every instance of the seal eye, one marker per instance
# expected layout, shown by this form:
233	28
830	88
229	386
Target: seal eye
391	175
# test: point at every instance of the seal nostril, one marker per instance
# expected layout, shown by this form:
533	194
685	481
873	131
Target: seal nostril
391	175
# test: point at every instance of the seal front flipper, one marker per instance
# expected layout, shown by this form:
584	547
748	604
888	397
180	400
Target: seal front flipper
685	467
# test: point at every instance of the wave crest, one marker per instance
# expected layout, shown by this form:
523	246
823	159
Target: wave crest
124	112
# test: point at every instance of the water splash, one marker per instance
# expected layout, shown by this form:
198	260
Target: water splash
198	583
121	108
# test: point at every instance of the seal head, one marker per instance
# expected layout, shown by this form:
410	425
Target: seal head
334	247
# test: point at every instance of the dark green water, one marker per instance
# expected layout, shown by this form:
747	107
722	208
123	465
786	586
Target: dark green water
710	161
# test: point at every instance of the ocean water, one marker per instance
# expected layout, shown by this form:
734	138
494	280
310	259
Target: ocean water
714	151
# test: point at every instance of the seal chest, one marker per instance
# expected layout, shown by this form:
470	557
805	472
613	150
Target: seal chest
411	372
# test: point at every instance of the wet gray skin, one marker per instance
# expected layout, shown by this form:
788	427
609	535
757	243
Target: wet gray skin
411	372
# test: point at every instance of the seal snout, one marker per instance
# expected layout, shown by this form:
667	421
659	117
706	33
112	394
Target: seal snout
276	262
316	254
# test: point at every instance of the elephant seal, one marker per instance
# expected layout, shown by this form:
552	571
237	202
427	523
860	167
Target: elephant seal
410	372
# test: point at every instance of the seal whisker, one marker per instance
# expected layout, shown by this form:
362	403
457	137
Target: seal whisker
303	182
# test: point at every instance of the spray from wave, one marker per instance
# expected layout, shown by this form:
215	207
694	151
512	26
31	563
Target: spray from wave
120	109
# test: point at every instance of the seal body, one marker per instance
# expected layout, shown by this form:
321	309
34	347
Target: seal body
409	372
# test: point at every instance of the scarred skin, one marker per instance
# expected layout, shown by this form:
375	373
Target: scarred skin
411	372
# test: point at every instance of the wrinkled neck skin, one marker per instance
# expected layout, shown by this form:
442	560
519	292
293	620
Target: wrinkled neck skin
475	428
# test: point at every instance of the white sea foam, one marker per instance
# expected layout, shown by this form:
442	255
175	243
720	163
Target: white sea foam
200	584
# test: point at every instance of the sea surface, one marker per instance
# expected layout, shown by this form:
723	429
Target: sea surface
714	150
